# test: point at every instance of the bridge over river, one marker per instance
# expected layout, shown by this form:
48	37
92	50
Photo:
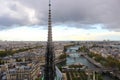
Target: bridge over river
103	70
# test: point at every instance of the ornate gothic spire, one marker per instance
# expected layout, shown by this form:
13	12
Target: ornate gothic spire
49	24
49	72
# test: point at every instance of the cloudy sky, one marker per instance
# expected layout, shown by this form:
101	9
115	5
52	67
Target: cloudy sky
72	19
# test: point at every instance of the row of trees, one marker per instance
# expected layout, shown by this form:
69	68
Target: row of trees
96	57
1	62
83	49
76	66
62	56
11	52
112	62
75	75
107	62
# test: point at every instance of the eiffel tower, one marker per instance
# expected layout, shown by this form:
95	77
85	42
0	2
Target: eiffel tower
49	71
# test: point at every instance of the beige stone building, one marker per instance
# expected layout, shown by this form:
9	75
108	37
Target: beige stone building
24	73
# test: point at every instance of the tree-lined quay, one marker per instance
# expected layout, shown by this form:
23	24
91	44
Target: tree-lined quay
109	61
11	52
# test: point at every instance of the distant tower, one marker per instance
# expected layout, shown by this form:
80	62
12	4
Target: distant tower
49	71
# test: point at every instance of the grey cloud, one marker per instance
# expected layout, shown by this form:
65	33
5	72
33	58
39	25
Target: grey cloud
7	20
73	13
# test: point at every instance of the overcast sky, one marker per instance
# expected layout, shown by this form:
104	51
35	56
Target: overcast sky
72	19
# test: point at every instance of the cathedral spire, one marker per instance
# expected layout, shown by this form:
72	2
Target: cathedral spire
49	24
49	71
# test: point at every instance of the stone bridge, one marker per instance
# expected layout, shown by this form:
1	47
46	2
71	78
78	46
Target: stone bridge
103	70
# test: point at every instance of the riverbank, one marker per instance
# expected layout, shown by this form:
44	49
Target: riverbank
93	61
113	74
85	61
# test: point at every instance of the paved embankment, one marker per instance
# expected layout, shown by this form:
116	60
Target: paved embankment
93	62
